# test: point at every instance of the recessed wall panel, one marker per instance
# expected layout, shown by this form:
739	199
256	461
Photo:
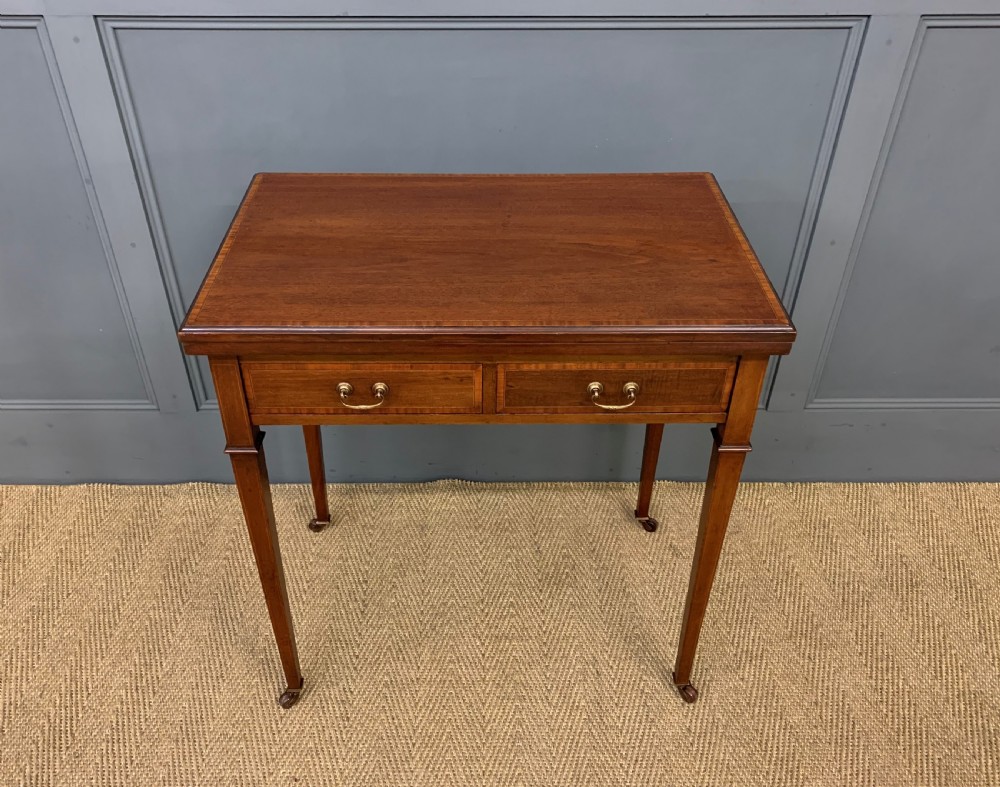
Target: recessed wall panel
63	334
920	321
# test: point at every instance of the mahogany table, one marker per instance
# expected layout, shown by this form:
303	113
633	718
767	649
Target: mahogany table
439	299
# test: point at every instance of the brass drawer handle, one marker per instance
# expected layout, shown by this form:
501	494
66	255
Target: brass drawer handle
631	391
379	390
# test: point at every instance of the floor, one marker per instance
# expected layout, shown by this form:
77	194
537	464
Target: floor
508	634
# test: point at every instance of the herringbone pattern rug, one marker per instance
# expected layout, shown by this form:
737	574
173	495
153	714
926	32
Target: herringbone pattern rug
457	633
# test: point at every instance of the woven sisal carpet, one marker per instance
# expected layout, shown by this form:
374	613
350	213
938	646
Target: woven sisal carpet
457	633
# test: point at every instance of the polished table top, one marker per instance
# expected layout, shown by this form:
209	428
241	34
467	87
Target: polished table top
314	256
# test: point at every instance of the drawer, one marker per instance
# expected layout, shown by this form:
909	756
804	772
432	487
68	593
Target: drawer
312	387
682	386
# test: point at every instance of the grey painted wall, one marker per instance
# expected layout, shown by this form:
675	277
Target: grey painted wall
856	143
64	331
926	280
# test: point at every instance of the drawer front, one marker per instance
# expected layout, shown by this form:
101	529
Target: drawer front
312	387
682	386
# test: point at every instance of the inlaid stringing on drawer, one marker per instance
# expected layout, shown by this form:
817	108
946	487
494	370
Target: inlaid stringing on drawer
682	386
279	387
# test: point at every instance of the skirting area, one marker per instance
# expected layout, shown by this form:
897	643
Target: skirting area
459	633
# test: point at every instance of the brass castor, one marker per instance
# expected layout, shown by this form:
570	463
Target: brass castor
688	692
289	697
648	523
316	525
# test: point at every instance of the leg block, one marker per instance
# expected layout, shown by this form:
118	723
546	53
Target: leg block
290	696
650	456
317	477
720	492
688	692
250	470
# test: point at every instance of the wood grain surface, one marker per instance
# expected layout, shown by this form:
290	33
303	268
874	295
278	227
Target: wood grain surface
321	255
486	299
303	387
678	387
